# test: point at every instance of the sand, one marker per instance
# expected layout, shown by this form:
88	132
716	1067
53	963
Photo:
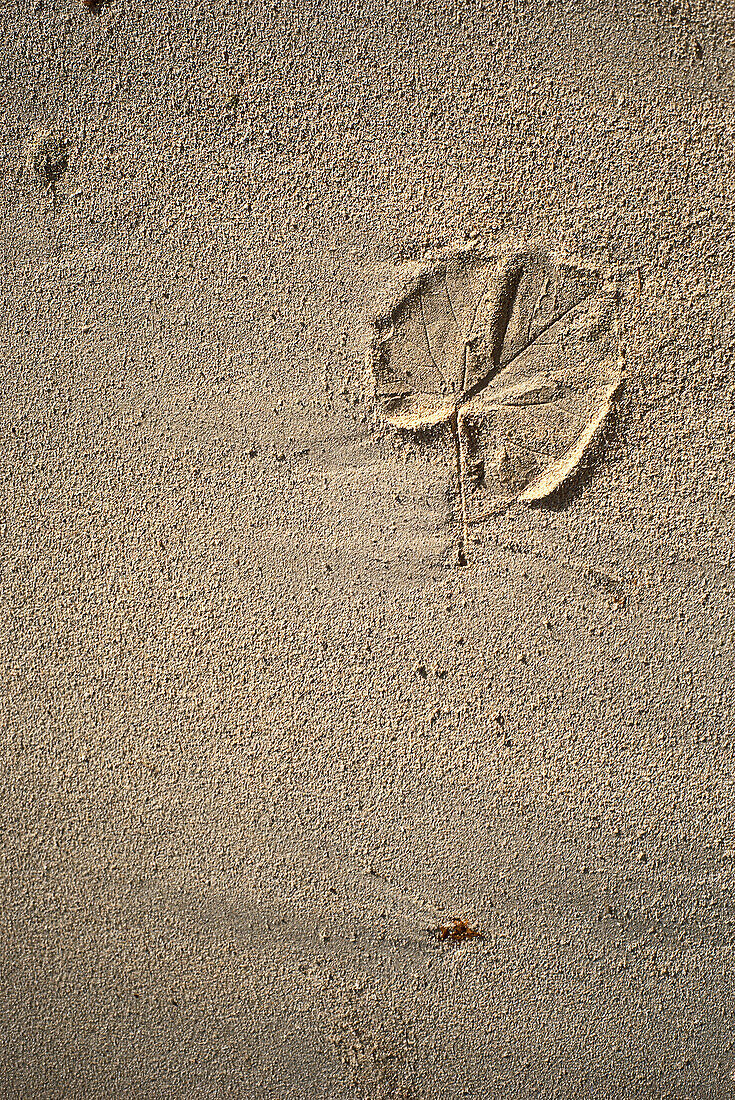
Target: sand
262	735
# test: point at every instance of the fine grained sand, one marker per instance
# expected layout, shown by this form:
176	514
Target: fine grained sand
261	736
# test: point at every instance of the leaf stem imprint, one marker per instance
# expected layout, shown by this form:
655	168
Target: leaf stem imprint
464	527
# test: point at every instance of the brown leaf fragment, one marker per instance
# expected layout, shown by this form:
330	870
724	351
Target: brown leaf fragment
458	931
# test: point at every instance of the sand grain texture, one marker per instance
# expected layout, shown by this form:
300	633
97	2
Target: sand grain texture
261	736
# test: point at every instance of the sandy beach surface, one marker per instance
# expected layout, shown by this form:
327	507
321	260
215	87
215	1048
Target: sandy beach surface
263	737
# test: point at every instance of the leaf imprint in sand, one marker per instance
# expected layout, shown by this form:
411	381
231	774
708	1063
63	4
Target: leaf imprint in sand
514	357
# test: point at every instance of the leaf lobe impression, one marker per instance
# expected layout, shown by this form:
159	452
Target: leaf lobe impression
516	355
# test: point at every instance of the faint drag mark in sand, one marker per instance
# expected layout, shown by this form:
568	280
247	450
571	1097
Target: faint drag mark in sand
511	360
48	159
374	1043
51	167
677	17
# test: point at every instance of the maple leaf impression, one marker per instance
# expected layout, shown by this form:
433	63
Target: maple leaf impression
516	357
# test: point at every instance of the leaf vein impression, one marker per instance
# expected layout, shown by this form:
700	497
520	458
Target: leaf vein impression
483	292
438	369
